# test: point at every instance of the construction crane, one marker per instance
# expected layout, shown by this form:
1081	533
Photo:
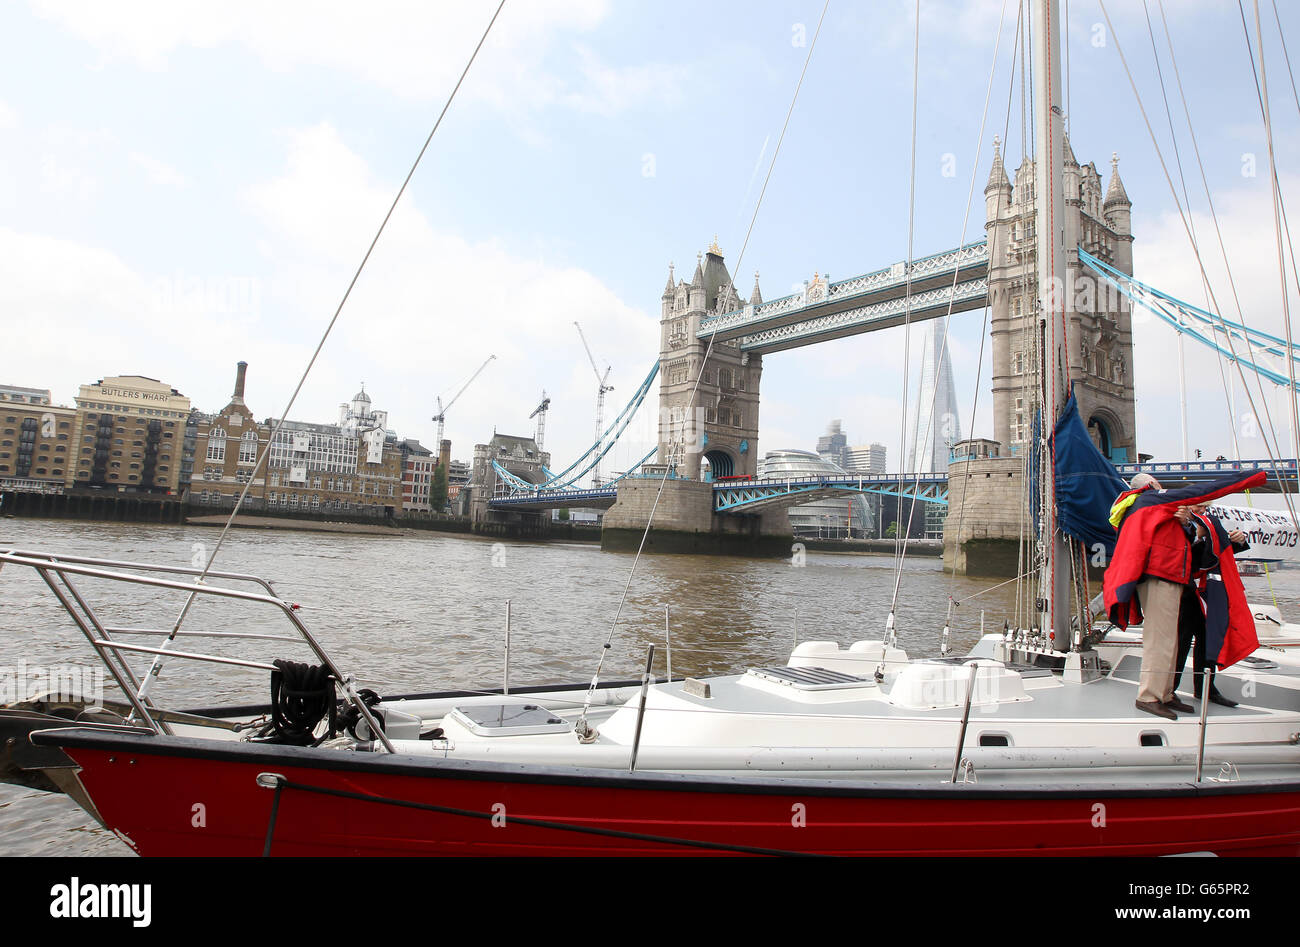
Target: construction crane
540	414
603	387
441	416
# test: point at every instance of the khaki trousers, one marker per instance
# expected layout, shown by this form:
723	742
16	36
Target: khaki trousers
1159	600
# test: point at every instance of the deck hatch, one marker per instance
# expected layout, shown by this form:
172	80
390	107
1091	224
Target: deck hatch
509	720
808	678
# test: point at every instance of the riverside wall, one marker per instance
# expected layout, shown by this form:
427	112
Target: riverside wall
159	508
684	522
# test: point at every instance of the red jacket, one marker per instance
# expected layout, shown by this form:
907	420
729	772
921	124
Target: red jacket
1152	542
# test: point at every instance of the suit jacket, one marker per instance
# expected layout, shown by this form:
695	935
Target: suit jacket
1152	542
1229	625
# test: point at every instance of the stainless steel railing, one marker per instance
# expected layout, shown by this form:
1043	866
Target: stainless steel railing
57	571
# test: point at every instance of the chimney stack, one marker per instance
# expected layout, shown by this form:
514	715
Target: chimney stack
239	382
444	454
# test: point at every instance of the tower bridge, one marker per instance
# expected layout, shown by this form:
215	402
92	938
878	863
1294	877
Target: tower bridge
703	485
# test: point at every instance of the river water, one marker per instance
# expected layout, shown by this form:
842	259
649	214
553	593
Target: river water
419	611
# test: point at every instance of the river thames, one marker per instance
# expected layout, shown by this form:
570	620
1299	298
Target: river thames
417	611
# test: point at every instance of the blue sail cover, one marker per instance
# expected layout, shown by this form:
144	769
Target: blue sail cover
1086	483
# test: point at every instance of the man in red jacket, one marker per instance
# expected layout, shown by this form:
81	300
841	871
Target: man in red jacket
1152	562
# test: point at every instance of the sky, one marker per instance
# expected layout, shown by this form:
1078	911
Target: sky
187	184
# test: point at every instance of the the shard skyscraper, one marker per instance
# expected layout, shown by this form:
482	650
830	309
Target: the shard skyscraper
932	435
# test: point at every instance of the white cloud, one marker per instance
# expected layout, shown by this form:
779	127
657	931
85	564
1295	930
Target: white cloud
8	116
158	171
409	48
431	306
59	292
64	179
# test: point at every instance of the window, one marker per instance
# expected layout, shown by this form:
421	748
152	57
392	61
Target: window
217	444
248	448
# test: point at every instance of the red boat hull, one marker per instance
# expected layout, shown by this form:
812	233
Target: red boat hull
198	801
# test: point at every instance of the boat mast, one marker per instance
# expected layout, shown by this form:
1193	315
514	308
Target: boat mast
1049	132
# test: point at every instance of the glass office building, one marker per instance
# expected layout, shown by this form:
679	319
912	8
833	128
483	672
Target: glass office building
829	517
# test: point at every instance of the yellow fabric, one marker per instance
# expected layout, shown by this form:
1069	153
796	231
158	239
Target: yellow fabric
1121	507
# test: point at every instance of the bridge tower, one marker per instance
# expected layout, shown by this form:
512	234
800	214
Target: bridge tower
716	433
1099	330
701	438
986	508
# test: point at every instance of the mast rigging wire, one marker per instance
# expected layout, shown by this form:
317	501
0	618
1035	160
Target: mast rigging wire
668	461
1262	78
1272	451
1209	297
943	352
262	458
899	544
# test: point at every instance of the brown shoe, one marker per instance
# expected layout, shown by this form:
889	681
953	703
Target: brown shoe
1173	703
1159	709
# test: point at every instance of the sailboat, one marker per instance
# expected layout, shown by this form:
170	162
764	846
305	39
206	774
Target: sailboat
1028	745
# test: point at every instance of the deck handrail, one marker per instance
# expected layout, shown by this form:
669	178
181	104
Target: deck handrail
48	565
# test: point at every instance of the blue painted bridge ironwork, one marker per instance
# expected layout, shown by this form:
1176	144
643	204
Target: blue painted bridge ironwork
1283	475
751	496
744	496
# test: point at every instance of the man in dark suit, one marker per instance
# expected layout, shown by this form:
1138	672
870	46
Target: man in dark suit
1191	614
